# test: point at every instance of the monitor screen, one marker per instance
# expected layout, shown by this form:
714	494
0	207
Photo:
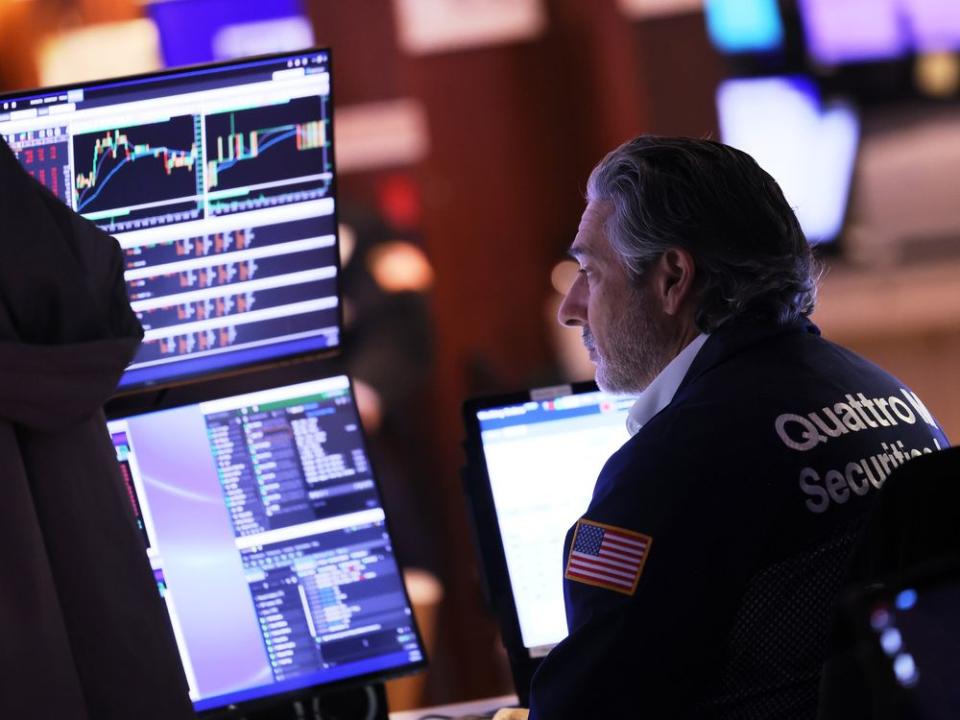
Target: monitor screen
199	31
218	183
934	24
851	31
809	148
542	459
263	523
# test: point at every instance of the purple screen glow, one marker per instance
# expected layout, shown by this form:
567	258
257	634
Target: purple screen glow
934	24
840	31
262	518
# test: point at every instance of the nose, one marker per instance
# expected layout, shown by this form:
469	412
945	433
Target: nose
573	309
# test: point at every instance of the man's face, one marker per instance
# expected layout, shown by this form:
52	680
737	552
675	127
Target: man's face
622	324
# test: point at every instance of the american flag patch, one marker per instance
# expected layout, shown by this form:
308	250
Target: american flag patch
607	556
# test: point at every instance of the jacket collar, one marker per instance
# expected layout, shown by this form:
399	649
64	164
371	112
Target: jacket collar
660	392
736	335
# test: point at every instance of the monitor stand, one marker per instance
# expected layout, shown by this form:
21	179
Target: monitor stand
367	702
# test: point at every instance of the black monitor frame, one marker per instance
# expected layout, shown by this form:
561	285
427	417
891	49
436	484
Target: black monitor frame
338	693
495	575
176	76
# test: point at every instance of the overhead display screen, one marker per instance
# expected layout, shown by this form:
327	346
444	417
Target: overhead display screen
809	147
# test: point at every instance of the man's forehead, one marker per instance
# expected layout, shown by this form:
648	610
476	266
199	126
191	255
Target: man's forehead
591	239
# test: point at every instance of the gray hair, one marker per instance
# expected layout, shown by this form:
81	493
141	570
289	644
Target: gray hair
717	203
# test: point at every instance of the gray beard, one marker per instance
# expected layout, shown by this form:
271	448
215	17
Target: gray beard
638	353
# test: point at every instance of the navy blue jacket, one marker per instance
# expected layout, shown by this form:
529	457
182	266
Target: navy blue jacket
744	496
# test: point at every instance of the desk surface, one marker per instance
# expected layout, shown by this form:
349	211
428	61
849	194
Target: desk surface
474	707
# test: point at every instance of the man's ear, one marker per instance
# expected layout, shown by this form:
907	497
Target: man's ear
676	273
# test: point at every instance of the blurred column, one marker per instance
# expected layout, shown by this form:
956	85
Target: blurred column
500	195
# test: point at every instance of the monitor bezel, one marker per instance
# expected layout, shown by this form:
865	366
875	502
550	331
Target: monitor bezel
200	376
378	676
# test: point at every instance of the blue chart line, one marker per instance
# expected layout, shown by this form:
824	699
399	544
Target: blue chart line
290	131
140	165
234	148
133	157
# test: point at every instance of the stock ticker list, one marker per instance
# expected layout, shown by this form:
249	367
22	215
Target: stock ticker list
212	292
280	466
329	600
44	154
322	597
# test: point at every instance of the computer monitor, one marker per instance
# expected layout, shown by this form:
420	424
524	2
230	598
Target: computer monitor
532	461
263	522
858	31
218	182
934	24
809	147
854	31
199	31
744	26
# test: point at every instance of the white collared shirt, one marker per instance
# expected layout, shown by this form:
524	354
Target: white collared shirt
660	392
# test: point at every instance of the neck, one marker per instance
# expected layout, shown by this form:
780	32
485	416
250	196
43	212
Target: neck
685	333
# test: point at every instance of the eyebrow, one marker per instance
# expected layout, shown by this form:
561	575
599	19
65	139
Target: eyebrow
577	252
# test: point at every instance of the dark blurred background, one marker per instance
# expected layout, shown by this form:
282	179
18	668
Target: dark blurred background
465	130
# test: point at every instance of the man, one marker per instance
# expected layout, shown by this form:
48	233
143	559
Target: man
701	579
